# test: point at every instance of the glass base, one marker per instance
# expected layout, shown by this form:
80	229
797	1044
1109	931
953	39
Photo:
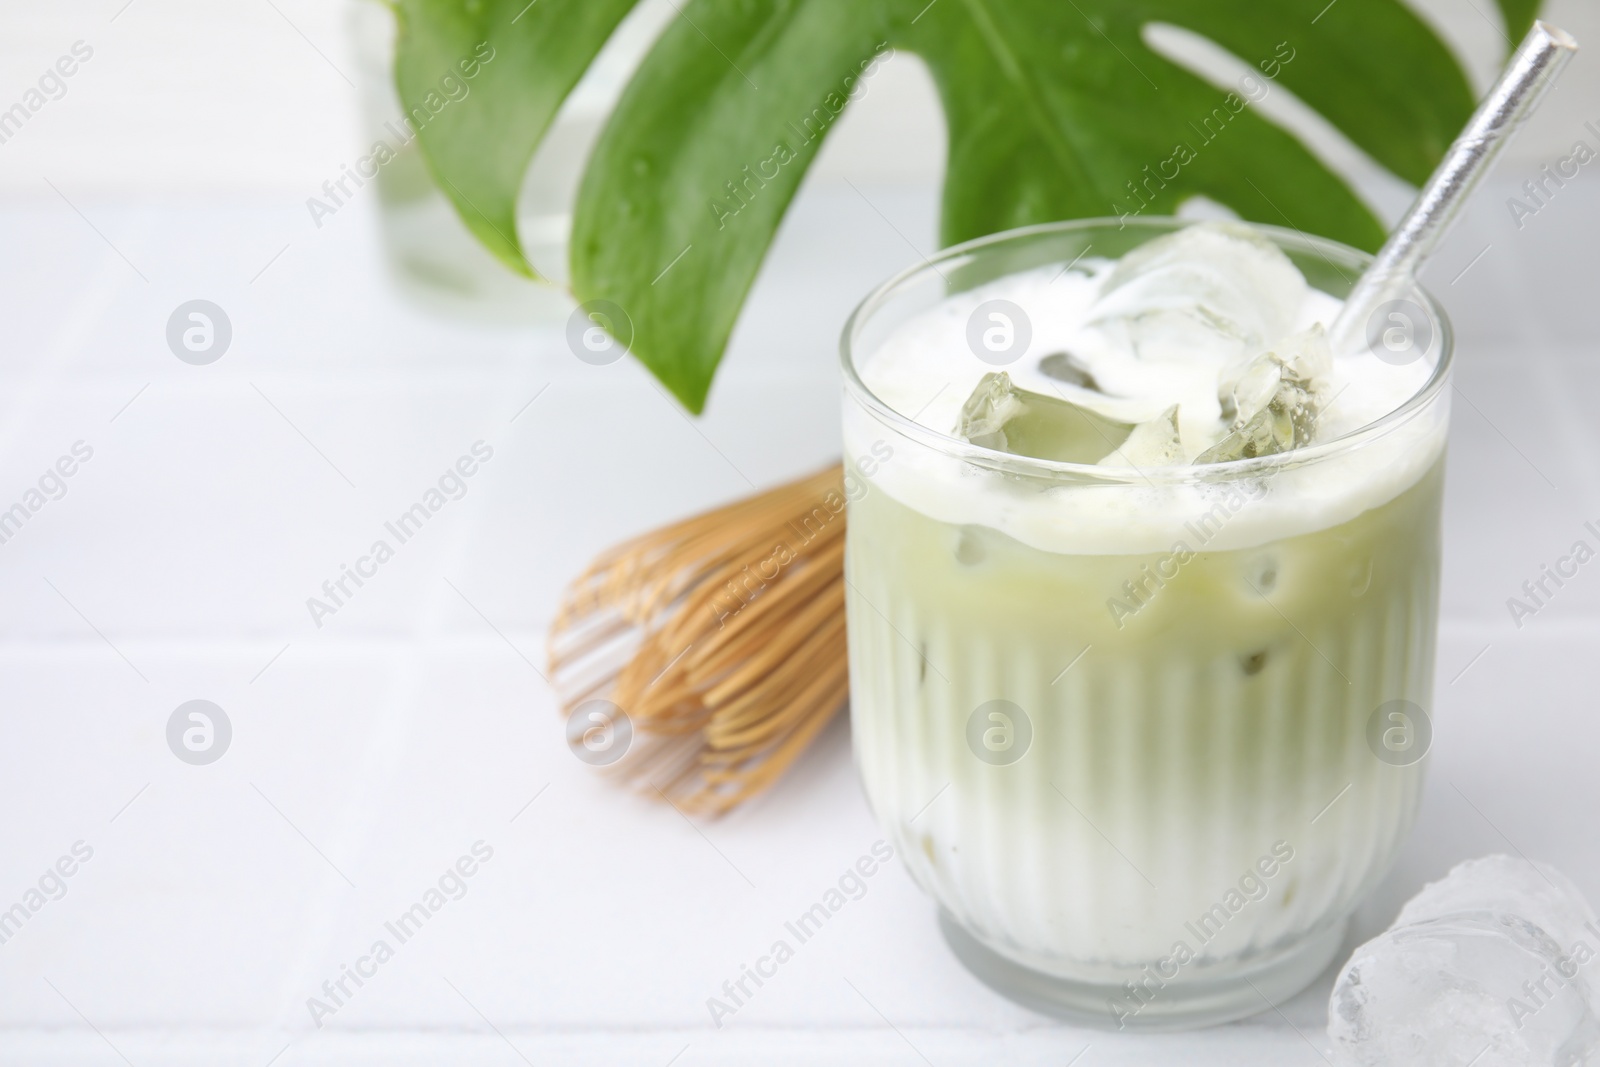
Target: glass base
1215	994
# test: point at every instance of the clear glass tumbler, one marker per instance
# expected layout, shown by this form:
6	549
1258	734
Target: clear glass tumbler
1146	779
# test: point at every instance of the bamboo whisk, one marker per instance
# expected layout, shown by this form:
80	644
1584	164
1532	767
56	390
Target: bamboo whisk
722	639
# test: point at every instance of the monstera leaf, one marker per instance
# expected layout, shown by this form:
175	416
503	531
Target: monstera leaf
1056	109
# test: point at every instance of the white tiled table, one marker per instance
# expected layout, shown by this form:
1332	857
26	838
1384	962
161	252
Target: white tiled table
370	753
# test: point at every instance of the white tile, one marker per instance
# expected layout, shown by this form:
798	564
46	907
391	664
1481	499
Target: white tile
381	746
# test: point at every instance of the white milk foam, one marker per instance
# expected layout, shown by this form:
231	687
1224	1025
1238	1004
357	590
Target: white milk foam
1147	329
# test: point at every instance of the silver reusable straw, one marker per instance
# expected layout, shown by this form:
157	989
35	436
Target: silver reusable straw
1532	70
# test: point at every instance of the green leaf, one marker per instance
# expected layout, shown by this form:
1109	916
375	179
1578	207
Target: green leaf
527	57
1056	109
1518	16
699	162
1101	108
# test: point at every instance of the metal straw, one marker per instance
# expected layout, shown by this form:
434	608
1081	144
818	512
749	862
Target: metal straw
1539	59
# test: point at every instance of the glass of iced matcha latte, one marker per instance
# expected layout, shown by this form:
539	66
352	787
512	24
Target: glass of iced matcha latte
1142	591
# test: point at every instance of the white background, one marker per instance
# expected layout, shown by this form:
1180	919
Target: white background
370	754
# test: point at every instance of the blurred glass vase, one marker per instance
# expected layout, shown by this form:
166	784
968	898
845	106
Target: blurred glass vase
431	253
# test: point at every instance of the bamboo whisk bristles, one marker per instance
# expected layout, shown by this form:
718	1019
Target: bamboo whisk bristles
721	637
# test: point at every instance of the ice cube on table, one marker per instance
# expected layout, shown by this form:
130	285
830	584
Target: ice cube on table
1462	990
1514	886
1273	400
1001	416
1472	973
